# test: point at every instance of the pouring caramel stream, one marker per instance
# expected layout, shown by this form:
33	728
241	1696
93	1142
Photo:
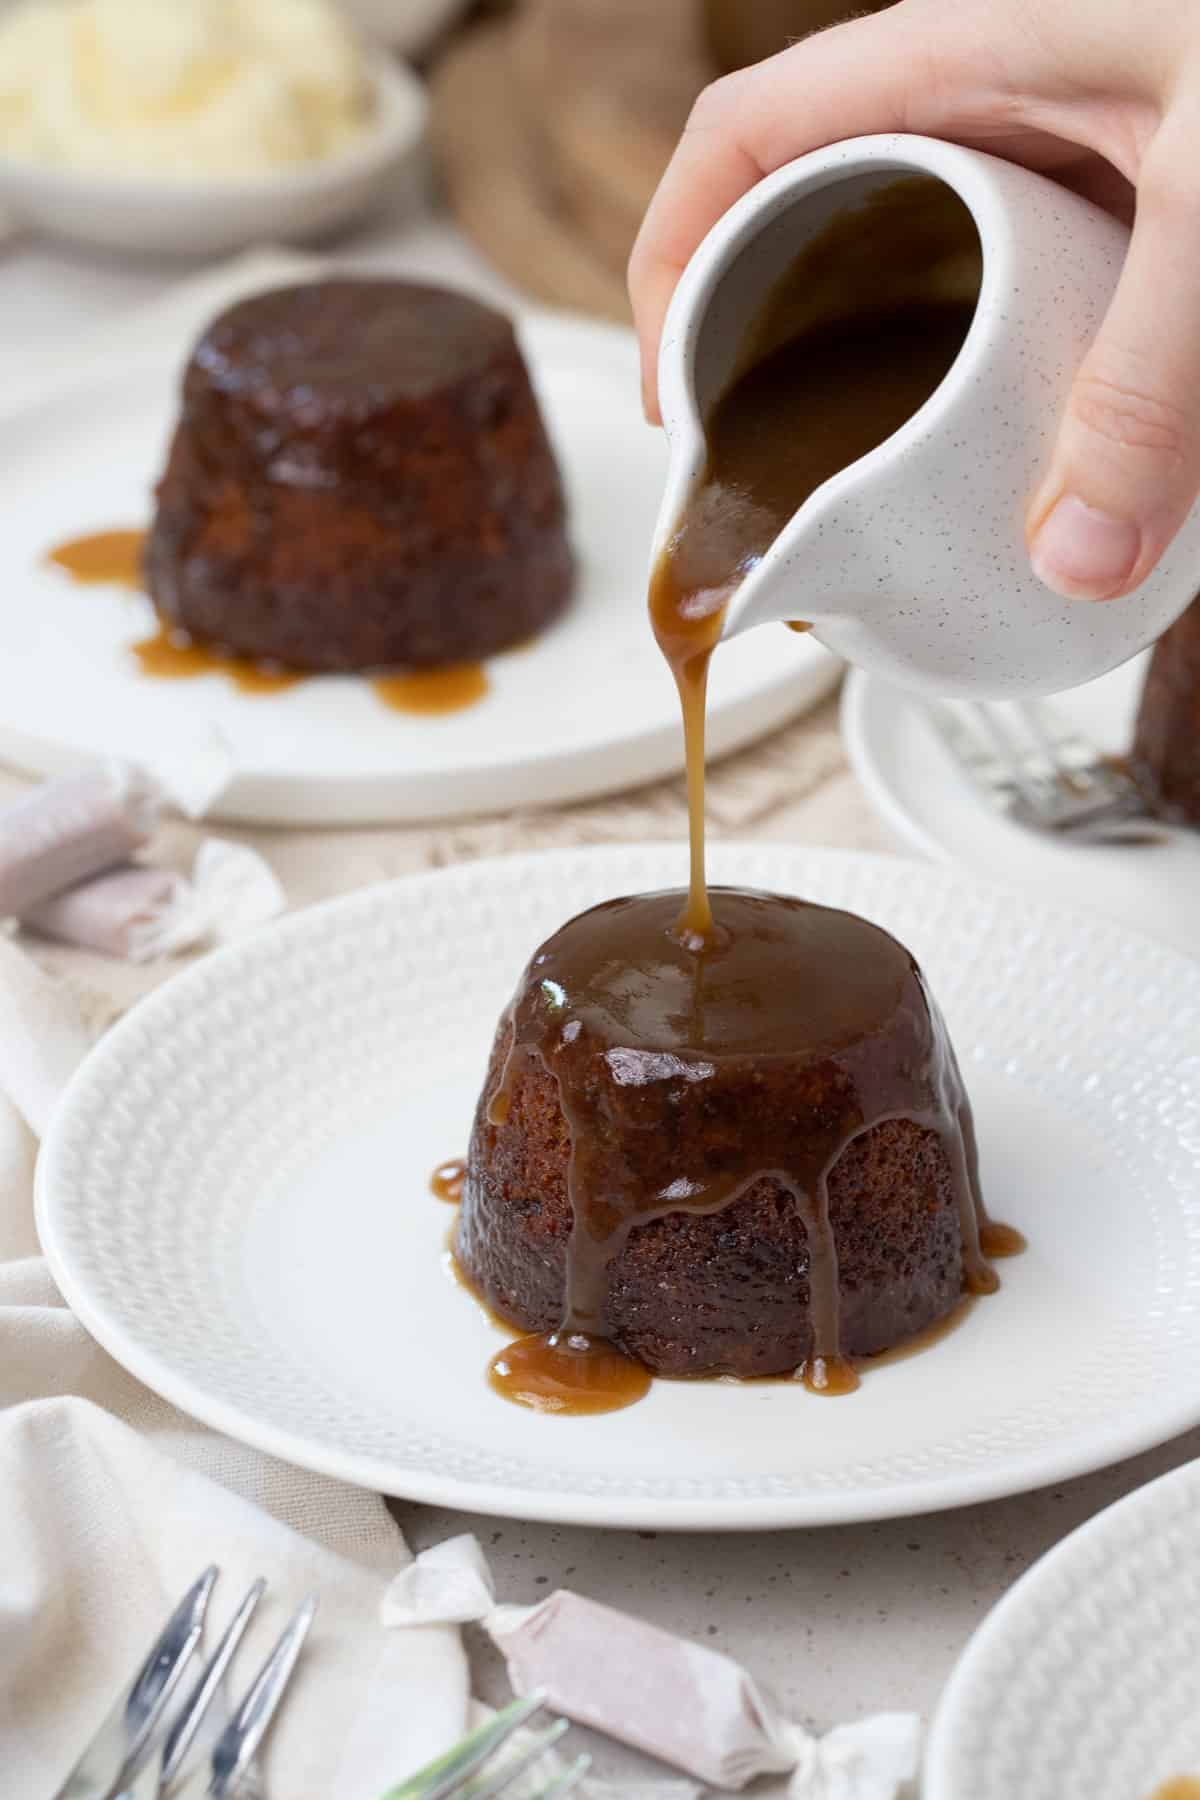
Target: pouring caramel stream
687	1005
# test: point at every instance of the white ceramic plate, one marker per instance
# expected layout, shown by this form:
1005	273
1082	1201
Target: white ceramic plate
1084	1682
234	1199
587	708
195	216
926	799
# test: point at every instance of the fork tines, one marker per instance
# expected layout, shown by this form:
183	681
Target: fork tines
1032	764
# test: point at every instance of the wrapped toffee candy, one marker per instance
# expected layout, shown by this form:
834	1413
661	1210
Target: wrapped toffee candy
62	832
66	830
137	912
689	1705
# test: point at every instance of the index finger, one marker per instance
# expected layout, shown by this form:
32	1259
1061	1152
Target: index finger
859	77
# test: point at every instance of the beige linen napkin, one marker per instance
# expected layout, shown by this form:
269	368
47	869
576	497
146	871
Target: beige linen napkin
111	1502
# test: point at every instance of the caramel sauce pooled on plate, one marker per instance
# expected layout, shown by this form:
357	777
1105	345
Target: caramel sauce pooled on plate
447	690
172	656
115	557
1183	1787
564	1372
102	557
446	1182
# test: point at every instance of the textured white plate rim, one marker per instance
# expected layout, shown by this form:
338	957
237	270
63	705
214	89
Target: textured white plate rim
855	702
940	1744
929	804
1154	1424
619	751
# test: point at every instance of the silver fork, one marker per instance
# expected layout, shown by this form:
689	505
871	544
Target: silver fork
1034	765
137	1755
462	1773
218	1776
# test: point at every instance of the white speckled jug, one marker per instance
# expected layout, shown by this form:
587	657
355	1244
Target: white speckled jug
912	561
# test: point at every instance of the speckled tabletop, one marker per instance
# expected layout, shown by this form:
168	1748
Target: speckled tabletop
840	1621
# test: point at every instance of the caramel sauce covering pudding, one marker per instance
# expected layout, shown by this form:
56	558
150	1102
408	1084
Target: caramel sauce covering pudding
102	557
753	1159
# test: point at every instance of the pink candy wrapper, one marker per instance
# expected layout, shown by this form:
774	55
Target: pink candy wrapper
60	833
118	913
689	1705
138	913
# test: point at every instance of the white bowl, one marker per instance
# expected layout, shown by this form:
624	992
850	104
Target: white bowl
206	216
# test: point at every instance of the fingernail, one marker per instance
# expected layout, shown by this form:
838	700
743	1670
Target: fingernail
1084	553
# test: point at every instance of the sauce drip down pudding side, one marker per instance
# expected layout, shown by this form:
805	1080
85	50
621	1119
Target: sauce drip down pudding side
752	1161
446	1182
843	353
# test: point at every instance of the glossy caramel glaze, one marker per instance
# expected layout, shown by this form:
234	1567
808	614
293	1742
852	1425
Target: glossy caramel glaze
635	1025
553	1371
102	557
446	1182
433	691
533	1372
563	1372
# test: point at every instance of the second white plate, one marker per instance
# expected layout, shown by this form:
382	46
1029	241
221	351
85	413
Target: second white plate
587	708
1084	1682
234	1200
924	796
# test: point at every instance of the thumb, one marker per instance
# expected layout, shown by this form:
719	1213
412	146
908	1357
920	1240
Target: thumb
1126	467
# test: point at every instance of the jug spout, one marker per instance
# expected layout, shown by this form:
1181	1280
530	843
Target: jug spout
809	576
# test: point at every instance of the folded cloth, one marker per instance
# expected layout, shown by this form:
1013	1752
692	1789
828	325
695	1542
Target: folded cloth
67	830
111	1502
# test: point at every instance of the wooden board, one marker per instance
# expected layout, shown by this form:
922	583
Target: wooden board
552	128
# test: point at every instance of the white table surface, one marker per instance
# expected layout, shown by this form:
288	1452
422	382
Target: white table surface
840	1621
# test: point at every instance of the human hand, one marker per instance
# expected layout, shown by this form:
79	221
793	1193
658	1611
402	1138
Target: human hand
1102	94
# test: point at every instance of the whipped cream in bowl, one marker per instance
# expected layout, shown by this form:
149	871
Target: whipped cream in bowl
198	126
